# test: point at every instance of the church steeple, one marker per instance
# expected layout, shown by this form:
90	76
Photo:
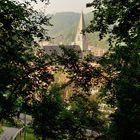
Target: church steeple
81	39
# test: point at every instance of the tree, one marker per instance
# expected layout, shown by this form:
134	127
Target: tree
46	114
21	68
59	117
120	21
82	116
53	118
79	71
82	113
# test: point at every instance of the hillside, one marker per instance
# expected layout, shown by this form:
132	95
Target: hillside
64	29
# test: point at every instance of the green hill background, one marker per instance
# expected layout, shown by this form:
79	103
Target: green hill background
64	29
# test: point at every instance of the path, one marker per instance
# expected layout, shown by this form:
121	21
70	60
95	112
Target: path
8	133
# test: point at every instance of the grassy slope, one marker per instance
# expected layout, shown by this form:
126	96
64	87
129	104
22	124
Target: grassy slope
29	136
1	130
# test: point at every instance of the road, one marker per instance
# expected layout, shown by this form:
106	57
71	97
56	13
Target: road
8	133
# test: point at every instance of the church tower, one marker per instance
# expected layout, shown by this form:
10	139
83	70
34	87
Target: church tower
81	39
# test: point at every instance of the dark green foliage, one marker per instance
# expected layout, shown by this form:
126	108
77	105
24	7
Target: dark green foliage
82	114
25	79
19	25
85	116
120	19
55	118
71	117
46	112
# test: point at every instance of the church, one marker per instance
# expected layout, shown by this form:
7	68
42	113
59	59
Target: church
80	44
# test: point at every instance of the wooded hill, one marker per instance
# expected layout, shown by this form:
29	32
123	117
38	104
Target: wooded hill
64	29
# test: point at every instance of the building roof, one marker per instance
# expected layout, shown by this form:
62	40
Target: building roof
49	49
81	38
81	25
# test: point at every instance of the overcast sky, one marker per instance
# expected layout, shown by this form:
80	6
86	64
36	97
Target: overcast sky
68	5
64	6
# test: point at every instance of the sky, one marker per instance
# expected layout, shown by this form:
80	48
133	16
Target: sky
63	6
68	5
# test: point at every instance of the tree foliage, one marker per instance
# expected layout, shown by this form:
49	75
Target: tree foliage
80	71
69	117
46	113
55	118
120	20
21	68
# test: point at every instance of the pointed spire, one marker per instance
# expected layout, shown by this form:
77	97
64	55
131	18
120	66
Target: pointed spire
80	37
81	25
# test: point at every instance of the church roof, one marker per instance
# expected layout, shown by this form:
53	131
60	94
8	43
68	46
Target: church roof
49	49
81	25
